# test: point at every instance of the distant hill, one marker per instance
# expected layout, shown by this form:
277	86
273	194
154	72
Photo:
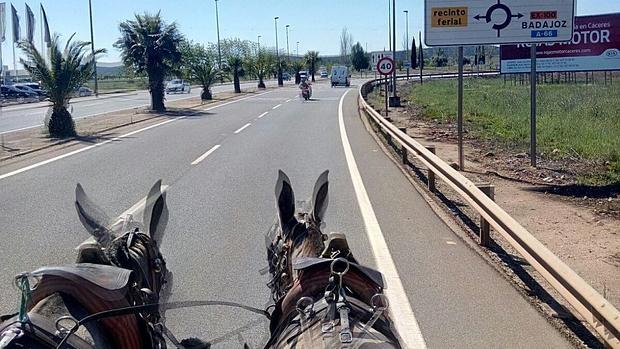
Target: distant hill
110	68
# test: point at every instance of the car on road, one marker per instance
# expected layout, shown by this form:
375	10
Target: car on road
303	74
286	76
12	93
178	86
340	76
83	92
323	74
41	95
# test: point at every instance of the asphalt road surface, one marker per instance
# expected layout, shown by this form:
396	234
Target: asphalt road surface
221	207
24	116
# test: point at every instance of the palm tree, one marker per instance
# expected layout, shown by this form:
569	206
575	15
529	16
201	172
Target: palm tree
69	68
312	57
261	65
206	73
149	45
234	66
297	66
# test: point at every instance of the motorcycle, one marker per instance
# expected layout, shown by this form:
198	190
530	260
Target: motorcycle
306	92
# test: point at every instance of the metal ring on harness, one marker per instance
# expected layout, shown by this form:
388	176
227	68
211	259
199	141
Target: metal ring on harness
383	299
303	303
332	266
62	330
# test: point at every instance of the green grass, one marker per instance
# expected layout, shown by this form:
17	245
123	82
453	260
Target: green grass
576	119
108	85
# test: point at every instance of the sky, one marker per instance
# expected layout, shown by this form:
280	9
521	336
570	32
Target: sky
316	24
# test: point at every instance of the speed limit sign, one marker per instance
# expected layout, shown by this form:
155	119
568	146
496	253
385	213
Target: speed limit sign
385	66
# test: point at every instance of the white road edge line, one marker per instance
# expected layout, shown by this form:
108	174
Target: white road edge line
77	151
133	210
288	100
242	128
204	156
277	106
263	114
400	307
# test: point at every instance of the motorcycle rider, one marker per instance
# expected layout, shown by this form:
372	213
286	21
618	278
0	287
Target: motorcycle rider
305	85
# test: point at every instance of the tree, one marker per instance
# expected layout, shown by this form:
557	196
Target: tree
439	59
261	65
198	64
297	65
311	58
359	58
149	45
234	66
69	68
346	41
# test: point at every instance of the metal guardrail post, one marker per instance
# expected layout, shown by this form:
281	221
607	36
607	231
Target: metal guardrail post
430	176
485	229
403	149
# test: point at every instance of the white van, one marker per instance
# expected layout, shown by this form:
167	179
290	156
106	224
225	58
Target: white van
340	76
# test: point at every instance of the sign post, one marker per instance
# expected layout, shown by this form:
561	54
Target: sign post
479	22
385	67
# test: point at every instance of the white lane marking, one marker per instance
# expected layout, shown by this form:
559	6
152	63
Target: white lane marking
450	242
20	129
204	156
288	100
77	151
277	106
133	210
263	114
242	128
400	307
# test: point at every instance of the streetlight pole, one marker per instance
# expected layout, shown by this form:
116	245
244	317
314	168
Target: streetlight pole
297	49
280	82
407	35
217	24
288	55
259	43
394	99
92	46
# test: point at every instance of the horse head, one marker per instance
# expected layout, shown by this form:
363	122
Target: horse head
296	234
126	243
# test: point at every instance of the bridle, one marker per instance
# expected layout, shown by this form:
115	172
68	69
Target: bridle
280	253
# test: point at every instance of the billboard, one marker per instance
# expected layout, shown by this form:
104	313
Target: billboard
595	46
478	22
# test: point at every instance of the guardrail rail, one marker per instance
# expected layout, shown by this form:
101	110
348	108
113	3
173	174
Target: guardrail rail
592	306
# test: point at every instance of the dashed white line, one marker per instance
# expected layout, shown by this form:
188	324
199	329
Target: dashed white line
277	106
204	156
288	100
407	325
263	114
77	151
243	128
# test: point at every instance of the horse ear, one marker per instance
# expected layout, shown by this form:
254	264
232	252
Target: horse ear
92	217
320	197
156	212
285	199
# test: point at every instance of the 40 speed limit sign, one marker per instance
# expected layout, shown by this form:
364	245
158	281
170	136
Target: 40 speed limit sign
385	66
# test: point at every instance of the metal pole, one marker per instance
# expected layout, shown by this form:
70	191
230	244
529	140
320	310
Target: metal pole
259	44
395	101
92	46
460	110
407	35
386	96
533	106
421	54
288	55
217	24
390	25
280	82
297	49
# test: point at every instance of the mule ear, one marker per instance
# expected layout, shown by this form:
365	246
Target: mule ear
92	217
156	212
285	199
320	197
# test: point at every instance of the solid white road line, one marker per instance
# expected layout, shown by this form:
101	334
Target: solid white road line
288	100
204	156
263	114
77	151
242	128
134	210
406	323
277	106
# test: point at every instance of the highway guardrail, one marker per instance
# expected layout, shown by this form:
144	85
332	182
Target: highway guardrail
592	306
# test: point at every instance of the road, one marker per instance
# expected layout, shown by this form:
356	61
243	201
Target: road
221	207
24	116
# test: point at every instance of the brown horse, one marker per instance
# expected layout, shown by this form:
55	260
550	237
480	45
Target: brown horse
117	280
323	297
